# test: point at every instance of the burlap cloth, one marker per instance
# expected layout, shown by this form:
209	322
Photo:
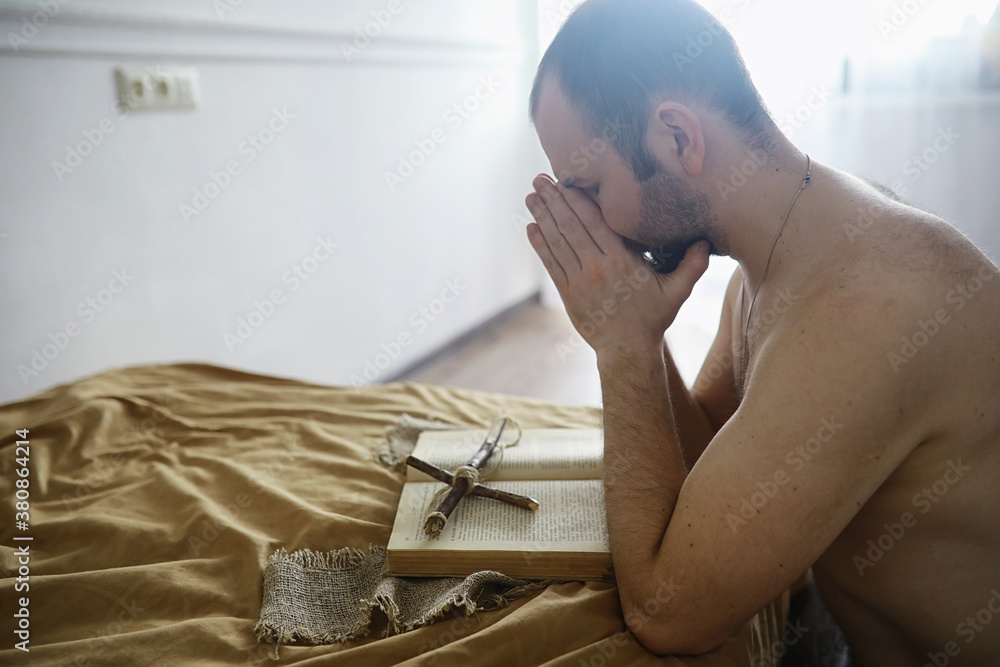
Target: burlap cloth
322	598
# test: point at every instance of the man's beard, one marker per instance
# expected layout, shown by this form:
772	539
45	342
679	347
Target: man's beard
672	217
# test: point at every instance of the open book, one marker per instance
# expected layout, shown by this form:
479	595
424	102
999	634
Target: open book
566	537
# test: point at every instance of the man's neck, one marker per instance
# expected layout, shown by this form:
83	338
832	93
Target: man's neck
753	211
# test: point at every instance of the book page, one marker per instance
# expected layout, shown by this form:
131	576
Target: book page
545	453
570	517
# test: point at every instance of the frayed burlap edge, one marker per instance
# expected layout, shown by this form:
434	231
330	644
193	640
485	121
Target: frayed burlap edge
271	610
467	593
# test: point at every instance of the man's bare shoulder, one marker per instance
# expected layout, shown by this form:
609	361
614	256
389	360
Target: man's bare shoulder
900	230
873	246
893	303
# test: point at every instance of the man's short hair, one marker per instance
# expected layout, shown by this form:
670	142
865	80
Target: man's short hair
615	59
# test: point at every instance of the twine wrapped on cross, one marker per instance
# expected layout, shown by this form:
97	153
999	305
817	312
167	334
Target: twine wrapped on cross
465	480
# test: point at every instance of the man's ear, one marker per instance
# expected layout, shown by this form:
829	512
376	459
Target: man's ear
675	135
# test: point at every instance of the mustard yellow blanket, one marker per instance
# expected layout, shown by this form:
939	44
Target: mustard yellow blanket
156	494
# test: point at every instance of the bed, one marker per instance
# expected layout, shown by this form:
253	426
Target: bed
157	494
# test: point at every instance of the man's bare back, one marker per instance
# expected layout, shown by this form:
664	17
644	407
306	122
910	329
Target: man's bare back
914	578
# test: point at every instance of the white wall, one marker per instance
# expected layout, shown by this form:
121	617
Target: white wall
458	217
911	75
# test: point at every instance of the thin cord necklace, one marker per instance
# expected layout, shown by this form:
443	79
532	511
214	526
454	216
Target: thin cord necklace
744	352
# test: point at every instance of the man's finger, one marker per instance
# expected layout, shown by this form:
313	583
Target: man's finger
561	250
691	268
567	221
541	248
589	213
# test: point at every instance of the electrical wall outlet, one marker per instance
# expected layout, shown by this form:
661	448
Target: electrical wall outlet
154	87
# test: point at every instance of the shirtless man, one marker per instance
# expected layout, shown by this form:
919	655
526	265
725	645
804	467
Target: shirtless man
859	434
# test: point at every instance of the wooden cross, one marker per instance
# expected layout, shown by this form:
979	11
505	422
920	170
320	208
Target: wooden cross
460	485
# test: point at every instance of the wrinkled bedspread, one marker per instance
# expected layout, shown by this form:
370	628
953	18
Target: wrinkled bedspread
157	494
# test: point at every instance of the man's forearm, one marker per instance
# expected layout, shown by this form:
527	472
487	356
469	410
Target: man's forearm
643	465
694	429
